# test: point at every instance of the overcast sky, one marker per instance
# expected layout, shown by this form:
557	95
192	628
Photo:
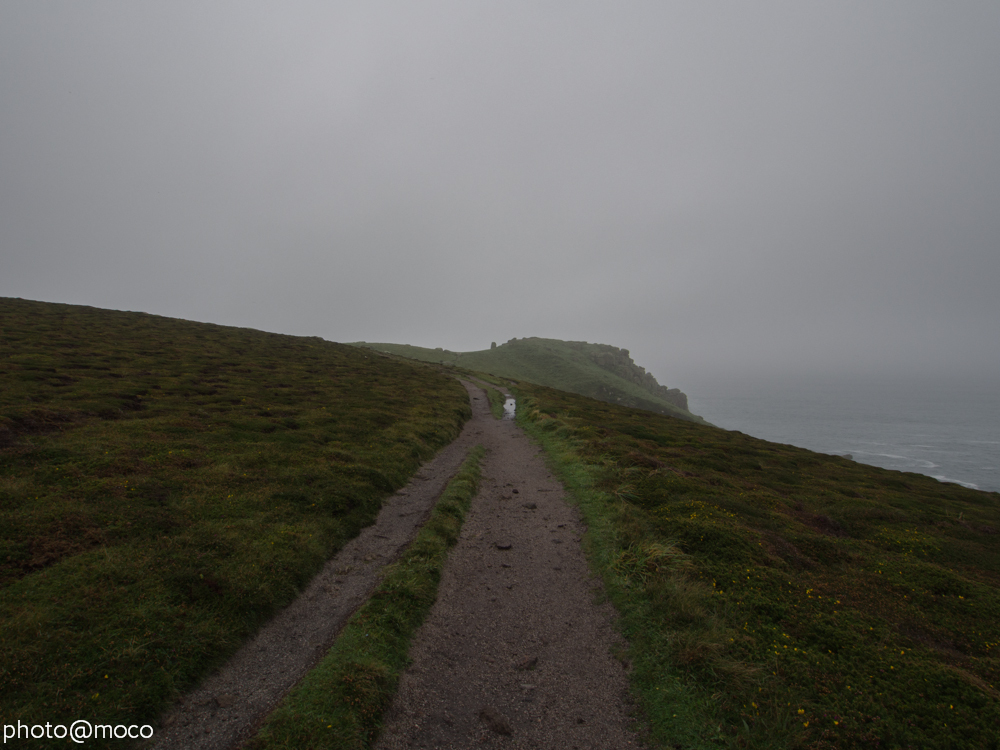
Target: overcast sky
722	188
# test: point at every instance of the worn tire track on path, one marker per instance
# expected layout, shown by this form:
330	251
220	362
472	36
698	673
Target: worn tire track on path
227	707
515	652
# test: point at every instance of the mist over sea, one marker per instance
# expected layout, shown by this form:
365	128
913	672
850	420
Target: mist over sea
947	429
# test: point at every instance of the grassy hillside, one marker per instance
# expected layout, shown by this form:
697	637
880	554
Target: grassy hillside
595	370
165	486
779	598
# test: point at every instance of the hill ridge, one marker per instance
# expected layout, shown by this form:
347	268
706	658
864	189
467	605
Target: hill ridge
602	371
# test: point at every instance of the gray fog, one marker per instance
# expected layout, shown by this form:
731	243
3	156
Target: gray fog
722	188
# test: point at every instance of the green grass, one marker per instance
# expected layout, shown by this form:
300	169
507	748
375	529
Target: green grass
339	704
779	598
166	486
596	370
497	401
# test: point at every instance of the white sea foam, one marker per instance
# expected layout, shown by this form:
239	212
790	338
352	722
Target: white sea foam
943	478
883	455
907	460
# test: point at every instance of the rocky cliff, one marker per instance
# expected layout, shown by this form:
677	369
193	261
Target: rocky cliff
618	362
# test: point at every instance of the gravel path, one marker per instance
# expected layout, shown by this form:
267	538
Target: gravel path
229	705
515	653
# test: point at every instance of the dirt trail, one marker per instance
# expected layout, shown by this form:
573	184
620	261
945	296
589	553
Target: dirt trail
229	705
515	653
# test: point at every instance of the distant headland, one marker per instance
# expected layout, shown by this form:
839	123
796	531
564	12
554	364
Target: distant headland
600	371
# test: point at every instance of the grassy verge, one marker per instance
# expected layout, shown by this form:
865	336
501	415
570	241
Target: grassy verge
339	704
778	598
496	402
495	395
166	486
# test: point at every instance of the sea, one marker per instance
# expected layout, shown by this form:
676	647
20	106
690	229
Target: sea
946	428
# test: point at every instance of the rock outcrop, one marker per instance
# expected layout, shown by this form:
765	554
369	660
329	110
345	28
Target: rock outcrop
619	362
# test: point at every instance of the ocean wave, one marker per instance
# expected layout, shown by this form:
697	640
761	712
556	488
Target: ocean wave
943	478
923	463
